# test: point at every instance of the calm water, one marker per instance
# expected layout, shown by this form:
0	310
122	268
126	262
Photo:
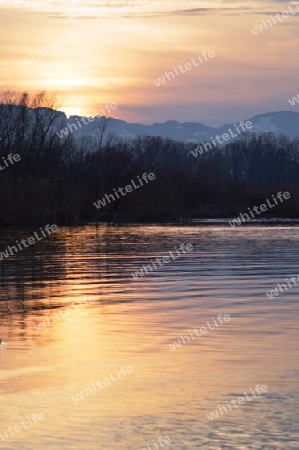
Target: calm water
97	318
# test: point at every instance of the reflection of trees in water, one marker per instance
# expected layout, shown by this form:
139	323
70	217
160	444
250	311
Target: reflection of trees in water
27	278
94	261
58	269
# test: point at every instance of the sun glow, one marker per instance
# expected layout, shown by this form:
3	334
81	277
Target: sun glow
72	111
67	82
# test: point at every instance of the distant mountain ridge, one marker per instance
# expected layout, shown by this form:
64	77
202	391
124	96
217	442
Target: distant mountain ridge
282	122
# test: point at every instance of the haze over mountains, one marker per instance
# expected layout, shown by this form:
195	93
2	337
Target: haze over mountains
280	123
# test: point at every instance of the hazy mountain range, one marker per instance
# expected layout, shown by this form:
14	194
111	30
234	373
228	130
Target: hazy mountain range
283	122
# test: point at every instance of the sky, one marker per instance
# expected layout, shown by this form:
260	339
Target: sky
112	51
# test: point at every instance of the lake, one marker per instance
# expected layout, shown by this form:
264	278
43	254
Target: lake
90	360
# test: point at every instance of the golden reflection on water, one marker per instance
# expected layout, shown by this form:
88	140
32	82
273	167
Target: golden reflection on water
97	319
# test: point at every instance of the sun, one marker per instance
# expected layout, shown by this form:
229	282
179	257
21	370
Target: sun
71	111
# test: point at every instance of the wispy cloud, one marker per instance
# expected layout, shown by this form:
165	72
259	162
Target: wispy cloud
78	9
74	7
85	9
119	56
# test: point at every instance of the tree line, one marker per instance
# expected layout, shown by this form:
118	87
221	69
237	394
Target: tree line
59	180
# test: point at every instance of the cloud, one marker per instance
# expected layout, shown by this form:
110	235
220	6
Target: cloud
138	8
81	9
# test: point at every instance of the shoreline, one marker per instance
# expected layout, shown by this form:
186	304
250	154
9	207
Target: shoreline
214	221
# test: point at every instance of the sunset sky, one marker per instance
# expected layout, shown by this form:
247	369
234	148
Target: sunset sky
122	49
